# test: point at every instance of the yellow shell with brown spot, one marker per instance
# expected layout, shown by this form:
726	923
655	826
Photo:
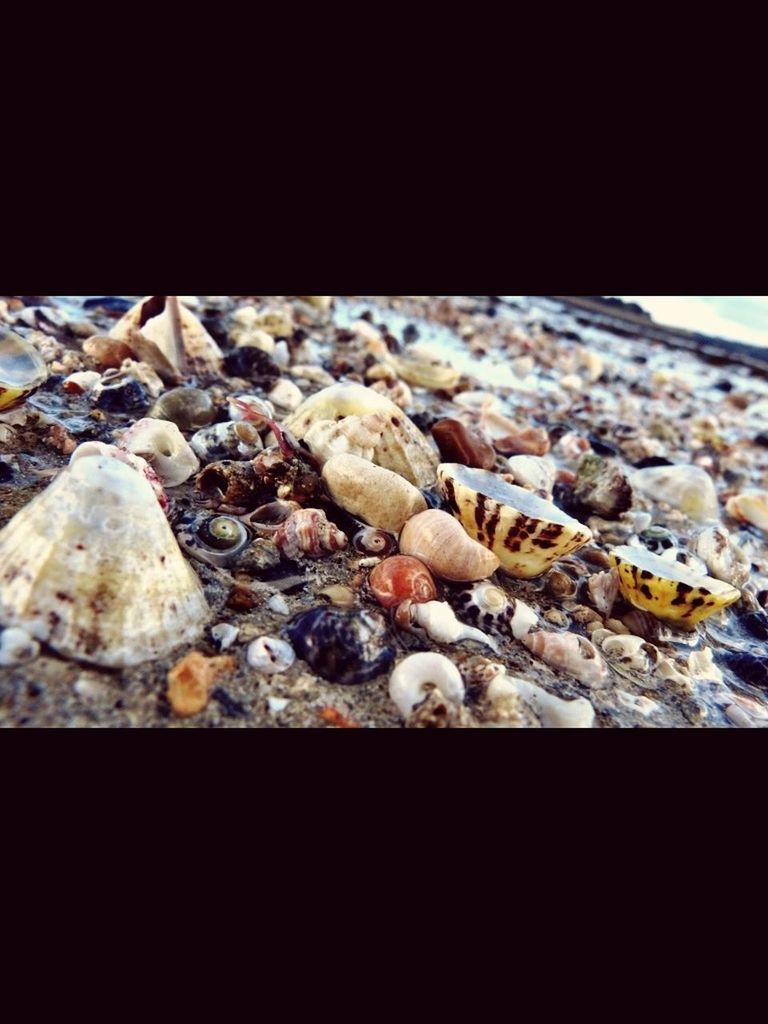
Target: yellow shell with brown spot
526	533
669	590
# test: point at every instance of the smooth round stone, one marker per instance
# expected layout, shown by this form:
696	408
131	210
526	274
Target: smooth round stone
689	489
378	496
188	408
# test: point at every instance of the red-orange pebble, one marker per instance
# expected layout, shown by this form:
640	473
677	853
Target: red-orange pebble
399	578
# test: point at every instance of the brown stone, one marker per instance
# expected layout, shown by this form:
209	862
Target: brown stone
458	443
107	352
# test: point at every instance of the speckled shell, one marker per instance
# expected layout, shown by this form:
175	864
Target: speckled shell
442	544
669	590
400	446
91	567
342	647
526	533
227	441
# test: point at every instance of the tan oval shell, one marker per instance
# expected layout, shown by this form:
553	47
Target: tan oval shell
441	542
91	567
397	443
526	533
669	590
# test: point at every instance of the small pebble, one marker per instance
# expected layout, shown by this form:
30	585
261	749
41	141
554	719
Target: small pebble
224	635
277	704
17	647
278	604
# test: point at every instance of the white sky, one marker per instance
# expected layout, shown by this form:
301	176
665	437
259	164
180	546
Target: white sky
738	317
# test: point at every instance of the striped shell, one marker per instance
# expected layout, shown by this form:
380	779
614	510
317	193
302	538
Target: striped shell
669	590
526	533
308	533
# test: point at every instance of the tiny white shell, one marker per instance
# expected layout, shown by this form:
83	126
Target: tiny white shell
17	646
224	635
270	655
417	675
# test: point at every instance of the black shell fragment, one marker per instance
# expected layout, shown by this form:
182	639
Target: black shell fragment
342	647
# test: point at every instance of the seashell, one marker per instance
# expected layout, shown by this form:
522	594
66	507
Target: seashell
338	595
276	320
107	352
82	382
370	541
687	488
22	369
188	408
571	447
750	507
169	337
399	579
701	665
191	680
526	533
534	473
723	558
90	448
314	373
90	566
560	585
419	367
224	634
232	483
260	556
376	495
144	374
670	591
416	676
486	604
632	651
287	477
601	487
252	364
308	533
396	391
254	403
603	589
342	647
399	445
270	655
226	441
442	544
216	540
554	712
278	605
659	541
322	303
163	446
570	653
458	443
124	395
245	337
265	520
17	647
439	621
521	440
353	435
286	395
643	705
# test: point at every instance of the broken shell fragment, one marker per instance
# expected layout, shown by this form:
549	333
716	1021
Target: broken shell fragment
376	495
270	655
17	647
526	533
569	653
227	441
723	558
164	447
601	487
416	676
749	507
191	680
441	542
169	337
401	578
467	445
22	369
419	367
534	473
91	567
669	590
400	445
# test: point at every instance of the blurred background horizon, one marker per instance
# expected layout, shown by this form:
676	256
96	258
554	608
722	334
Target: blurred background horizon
734	317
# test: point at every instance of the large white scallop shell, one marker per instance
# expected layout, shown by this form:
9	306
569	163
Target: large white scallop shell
91	567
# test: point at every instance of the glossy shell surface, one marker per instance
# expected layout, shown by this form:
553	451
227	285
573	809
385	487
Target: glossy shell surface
342	647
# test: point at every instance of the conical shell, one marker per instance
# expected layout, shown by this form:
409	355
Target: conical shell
91	567
669	590
398	445
165	334
526	533
442	544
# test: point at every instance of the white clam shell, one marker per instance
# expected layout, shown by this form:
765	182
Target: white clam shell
91	567
164	447
418	675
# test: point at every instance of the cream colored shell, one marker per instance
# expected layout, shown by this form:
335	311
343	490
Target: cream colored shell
397	443
442	544
91	567
172	340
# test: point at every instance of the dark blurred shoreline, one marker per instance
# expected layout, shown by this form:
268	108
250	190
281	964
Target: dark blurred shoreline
621	319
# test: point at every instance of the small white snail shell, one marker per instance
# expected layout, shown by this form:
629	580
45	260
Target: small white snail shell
418	675
441	542
437	618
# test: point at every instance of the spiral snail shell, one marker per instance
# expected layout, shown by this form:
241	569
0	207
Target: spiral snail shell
401	578
441	542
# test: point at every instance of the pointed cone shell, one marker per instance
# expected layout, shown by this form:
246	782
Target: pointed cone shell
669	590
91	567
170	338
527	533
442	544
400	445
